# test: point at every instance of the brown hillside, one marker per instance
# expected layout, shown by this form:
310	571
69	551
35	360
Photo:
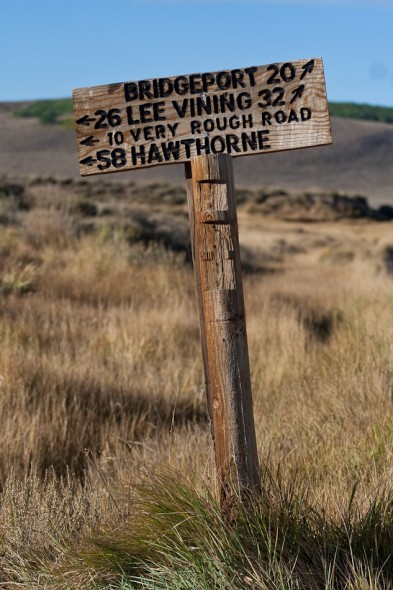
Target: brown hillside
359	161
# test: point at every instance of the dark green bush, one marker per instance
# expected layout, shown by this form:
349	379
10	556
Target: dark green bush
366	112
47	111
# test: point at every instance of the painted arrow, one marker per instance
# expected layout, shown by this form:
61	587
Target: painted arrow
86	120
89	161
307	68
297	93
89	141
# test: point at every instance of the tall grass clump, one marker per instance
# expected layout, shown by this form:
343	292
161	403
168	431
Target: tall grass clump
177	538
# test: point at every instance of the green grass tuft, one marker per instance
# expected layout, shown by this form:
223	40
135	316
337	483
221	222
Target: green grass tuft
177	539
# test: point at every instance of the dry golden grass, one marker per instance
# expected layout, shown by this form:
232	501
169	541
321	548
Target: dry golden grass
101	378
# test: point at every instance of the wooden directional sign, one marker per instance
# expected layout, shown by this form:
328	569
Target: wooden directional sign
203	120
253	110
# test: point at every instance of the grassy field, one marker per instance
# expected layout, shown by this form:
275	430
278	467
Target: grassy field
106	465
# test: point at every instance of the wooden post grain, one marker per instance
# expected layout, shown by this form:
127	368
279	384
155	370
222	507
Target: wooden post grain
216	255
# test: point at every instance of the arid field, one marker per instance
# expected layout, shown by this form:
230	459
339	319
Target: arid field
106	461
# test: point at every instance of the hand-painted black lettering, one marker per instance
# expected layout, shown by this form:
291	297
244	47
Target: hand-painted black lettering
208	125
131	120
171	128
223	80
247	121
103	156
145	90
130	91
250	72
160	131
237	79
187	144
224	102
154	154
292	116
89	161
232	142
181	109
195	127
116	158
263	138
207	80
116	138
249	141
307	68
287	72
135	154
148	133
266	118
273	79
100	124
145	112
297	93
114	118
181	85
280	93
280	117
89	141
244	101
119	158
171	150
305	113
86	120
136	134
195	84
165	87
266	96
159	111
218	145
202	145
222	123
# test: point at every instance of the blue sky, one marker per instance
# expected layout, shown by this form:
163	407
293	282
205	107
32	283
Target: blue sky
53	46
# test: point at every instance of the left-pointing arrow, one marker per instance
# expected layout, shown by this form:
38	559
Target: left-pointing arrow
86	120
89	161
89	141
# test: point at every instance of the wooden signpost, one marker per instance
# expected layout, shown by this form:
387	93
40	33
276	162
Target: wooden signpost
203	120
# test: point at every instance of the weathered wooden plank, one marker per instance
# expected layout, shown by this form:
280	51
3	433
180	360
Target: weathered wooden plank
161	121
216	253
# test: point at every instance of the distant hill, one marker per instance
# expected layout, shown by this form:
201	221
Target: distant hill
359	161
363	112
48	112
60	111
